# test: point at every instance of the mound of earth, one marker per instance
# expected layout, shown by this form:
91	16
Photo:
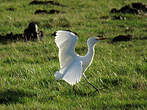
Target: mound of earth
39	11
11	9
10	37
30	33
119	18
33	32
122	38
134	8
37	2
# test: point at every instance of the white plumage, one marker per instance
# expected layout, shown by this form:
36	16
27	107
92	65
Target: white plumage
72	66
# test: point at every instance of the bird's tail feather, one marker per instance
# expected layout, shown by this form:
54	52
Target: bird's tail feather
58	75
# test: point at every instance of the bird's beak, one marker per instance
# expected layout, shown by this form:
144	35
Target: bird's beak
100	38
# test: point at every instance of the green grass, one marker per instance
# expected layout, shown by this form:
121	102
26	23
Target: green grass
27	68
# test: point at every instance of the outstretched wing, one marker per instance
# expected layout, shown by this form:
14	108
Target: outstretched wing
74	73
65	41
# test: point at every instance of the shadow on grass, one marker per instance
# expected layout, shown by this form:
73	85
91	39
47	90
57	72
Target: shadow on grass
81	93
126	106
10	96
78	92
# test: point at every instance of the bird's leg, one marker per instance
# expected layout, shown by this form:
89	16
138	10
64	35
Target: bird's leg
74	89
90	83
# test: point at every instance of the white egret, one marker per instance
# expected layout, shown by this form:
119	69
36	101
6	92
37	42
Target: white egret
73	66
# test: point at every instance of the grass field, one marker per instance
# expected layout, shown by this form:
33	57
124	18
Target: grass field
27	68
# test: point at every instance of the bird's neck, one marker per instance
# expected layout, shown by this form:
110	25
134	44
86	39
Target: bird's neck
90	52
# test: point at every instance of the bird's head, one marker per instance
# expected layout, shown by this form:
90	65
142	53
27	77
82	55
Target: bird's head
93	40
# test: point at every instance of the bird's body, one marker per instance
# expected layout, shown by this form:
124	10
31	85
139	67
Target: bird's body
72	66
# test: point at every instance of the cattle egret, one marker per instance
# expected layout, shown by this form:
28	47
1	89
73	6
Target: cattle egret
73	66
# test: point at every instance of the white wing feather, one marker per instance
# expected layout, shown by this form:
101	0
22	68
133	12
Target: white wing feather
74	73
66	42
70	66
